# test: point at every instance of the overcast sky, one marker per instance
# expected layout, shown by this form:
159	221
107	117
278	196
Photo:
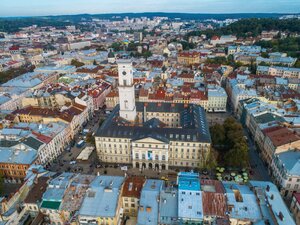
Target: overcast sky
59	7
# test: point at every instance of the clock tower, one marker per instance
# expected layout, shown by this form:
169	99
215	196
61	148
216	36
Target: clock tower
126	90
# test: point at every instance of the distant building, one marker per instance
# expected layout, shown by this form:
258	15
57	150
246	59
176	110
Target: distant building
224	39
279	71
188	58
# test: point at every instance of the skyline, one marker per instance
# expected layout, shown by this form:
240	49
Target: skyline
67	7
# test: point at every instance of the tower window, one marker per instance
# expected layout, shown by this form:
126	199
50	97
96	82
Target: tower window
126	104
124	83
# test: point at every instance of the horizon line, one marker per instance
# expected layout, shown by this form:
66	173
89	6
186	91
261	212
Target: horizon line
120	13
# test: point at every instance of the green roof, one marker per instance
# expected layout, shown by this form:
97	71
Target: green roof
50	205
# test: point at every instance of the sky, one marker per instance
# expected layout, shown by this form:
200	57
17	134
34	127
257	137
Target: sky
64	7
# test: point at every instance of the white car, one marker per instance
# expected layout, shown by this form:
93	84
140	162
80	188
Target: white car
72	162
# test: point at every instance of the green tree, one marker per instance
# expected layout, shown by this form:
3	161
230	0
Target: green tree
95	62
237	156
217	134
117	46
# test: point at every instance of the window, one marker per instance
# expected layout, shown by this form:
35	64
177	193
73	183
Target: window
126	104
136	155
163	157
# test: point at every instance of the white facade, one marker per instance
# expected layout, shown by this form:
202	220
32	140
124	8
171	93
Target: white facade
217	99
126	90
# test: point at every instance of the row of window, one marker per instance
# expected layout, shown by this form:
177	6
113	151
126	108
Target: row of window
156	157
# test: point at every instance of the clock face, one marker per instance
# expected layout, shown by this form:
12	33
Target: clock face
124	73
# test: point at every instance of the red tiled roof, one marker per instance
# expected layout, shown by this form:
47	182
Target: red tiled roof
112	94
143	92
281	135
133	186
215	38
42	137
188	54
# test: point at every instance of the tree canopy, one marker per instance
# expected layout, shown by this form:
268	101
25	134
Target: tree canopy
229	141
252	27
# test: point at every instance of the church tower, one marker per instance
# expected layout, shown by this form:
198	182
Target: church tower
126	90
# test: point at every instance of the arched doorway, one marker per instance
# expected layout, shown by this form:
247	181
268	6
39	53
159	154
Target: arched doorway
137	165
144	166
156	166
163	166
150	166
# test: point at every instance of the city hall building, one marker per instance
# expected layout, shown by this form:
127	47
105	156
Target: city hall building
152	135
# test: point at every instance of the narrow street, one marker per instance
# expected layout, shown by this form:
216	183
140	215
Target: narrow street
257	165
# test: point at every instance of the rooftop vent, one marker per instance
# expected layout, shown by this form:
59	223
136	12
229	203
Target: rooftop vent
280	215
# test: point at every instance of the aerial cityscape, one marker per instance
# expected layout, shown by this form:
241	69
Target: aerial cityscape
149	112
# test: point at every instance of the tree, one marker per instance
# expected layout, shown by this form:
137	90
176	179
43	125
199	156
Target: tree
117	46
238	156
76	63
90	138
95	62
211	161
217	134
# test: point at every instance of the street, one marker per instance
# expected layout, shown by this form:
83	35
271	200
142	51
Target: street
260	171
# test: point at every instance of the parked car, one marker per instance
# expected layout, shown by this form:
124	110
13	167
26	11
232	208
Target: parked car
72	162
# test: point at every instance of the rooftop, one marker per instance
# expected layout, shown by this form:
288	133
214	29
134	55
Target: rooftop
148	210
18	154
168	206
189	196
102	196
195	127
281	135
271	203
290	161
241	202
133	187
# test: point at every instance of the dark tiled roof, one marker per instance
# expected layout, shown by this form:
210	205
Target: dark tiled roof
195	128
33	143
